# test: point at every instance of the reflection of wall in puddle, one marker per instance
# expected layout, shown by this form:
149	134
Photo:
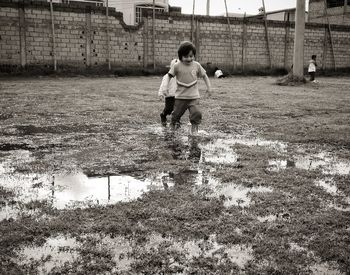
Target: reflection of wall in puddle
79	188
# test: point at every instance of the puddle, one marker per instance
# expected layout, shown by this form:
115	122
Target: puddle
219	152
328	185
55	252
325	162
79	190
328	165
76	190
235	194
326	269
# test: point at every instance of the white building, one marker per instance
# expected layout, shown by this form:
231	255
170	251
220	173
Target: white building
132	9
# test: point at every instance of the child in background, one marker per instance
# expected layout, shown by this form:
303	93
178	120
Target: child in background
167	91
218	73
187	95
312	68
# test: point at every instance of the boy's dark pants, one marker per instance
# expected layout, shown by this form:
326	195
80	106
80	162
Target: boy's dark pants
180	107
169	107
312	76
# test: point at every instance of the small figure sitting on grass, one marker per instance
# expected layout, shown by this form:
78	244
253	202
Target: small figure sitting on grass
218	73
187	95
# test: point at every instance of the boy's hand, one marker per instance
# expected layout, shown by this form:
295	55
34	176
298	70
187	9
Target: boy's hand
161	97
207	93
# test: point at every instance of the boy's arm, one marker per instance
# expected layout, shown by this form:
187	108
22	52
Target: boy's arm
207	83
163	89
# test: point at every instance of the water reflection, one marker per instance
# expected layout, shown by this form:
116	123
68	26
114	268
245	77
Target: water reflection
80	190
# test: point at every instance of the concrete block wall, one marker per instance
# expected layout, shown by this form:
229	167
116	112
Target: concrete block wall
81	39
336	15
10	36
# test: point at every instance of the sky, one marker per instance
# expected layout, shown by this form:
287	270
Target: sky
217	7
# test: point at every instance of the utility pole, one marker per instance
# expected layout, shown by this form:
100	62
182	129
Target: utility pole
298	56
208	7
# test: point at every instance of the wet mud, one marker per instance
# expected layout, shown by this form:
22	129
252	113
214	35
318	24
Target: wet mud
100	187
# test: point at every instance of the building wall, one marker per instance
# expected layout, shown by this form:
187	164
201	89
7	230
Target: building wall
336	15
127	7
81	40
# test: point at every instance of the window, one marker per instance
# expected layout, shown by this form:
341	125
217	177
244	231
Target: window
336	3
139	9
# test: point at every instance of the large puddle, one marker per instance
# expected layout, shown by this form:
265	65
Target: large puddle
206	154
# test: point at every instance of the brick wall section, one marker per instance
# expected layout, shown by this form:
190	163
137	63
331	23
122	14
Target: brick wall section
81	39
336	15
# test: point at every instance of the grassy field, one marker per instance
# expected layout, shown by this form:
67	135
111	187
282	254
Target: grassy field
91	183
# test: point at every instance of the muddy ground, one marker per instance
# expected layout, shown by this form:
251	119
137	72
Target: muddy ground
91	183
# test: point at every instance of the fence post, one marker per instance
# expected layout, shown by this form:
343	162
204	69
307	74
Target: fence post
267	35
88	36
22	34
286	43
230	34
107	34
53	37
244	38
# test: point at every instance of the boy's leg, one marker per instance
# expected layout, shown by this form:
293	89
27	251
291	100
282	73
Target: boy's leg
168	109
169	105
180	107
195	116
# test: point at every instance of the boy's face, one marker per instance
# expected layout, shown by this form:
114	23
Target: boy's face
187	59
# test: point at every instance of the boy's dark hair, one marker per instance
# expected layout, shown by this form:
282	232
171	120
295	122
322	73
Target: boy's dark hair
313	56
185	48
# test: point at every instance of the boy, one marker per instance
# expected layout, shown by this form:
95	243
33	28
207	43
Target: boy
312	68
187	95
167	91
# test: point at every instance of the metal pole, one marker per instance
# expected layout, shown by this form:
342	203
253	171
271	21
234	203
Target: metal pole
231	41
154	34
267	35
208	7
107	34
298	56
53	37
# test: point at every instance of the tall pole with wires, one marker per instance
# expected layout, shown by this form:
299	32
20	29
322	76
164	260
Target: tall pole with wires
298	56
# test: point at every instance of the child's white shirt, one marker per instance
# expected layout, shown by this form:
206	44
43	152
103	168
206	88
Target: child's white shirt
167	89
312	66
218	73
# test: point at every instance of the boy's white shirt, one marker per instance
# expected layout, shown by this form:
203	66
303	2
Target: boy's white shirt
168	86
